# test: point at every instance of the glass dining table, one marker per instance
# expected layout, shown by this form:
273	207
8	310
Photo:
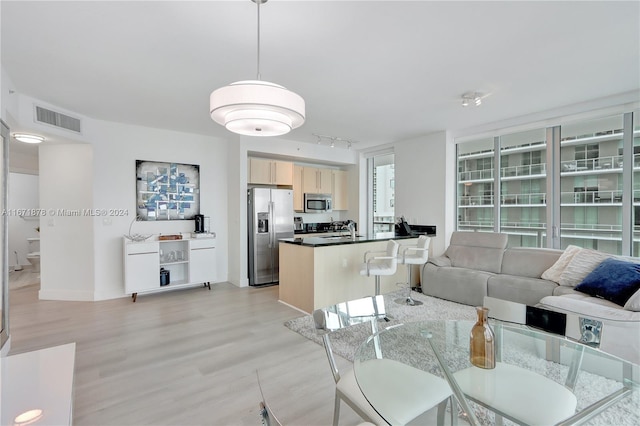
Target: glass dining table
540	378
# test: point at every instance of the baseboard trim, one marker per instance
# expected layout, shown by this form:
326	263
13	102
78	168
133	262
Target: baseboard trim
293	307
68	295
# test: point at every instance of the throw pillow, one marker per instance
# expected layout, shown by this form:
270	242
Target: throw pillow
553	273
582	263
614	280
633	304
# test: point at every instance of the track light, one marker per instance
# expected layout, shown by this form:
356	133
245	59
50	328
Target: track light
476	97
334	141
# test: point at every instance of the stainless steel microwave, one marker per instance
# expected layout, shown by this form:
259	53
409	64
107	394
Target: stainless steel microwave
317	203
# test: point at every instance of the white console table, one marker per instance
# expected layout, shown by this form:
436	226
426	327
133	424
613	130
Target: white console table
37	386
189	261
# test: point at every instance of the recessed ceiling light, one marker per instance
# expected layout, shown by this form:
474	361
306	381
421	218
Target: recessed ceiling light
26	138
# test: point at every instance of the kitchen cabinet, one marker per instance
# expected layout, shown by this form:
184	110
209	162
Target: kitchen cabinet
270	172
339	190
298	189
189	262
316	181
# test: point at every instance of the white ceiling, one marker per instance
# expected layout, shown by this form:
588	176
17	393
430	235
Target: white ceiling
371	71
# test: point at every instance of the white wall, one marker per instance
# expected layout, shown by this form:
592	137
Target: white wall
420	187
23	194
66	242
82	256
116	148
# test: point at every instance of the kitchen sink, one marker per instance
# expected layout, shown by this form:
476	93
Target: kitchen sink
341	237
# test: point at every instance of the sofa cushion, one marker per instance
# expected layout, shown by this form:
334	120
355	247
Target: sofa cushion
581	265
555	271
481	251
528	261
613	280
466	286
525	290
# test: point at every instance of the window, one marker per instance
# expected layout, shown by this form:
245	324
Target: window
590	199
523	188
383	199
475	185
635	213
582	197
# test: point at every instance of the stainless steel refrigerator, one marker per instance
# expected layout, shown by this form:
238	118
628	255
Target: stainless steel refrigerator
270	218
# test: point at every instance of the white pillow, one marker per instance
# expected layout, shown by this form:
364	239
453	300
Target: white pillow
553	273
581	265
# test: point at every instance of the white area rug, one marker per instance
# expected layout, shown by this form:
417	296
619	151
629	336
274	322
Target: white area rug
346	341
590	386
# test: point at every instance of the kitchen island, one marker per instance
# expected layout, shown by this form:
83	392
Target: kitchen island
316	272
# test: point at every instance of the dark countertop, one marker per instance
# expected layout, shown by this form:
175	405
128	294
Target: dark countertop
335	241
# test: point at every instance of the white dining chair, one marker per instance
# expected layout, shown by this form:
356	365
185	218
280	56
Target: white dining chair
268	418
413	255
266	414
378	263
408	392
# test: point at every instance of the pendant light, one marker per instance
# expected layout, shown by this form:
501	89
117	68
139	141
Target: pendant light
256	107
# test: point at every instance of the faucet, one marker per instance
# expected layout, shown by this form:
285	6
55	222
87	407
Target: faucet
351	226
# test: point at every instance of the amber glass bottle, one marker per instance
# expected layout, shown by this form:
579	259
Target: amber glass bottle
482	343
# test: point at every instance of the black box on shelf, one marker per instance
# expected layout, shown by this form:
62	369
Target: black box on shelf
165	277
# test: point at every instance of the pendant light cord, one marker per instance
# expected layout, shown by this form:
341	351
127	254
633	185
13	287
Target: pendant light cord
258	61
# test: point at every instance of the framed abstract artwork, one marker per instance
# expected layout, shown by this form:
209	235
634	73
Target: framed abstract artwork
167	191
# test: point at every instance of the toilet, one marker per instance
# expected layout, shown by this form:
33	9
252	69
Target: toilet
34	253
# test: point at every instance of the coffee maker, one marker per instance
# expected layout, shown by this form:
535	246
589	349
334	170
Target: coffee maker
199	223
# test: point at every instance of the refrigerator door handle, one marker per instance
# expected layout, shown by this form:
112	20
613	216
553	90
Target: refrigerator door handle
272	224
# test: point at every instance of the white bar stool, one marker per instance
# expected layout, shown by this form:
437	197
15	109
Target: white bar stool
380	265
413	255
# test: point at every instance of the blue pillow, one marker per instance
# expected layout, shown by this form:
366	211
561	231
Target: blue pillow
614	280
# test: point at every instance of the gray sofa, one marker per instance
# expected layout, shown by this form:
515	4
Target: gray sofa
478	264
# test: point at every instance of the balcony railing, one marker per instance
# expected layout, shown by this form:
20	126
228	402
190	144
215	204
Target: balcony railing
524	225
476	175
590	227
476	200
506	200
593	196
524	170
579	196
523	199
613	162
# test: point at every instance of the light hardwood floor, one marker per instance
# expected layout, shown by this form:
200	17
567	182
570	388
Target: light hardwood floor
186	357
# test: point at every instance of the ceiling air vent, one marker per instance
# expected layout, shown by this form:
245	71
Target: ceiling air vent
57	119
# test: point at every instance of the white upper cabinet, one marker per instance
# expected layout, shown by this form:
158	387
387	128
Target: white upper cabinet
270	172
316	181
340	190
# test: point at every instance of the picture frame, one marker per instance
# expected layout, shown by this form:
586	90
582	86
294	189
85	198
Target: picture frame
167	191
